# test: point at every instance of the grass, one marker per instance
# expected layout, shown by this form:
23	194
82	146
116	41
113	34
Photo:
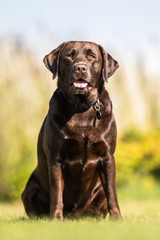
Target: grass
141	221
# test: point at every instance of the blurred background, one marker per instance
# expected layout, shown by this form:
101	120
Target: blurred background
129	31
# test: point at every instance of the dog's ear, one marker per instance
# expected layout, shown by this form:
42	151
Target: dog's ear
51	60
109	64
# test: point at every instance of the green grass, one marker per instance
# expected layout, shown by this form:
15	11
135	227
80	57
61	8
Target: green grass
141	221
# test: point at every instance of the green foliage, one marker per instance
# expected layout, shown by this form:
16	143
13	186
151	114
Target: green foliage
138	158
24	96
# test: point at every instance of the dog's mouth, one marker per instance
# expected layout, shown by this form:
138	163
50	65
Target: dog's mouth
81	84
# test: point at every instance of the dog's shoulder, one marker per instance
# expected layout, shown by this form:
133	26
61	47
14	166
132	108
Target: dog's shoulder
57	102
56	98
106	102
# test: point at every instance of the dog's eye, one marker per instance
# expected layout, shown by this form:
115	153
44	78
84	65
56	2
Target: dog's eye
92	56
70	54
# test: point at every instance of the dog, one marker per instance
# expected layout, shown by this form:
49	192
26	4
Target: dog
76	174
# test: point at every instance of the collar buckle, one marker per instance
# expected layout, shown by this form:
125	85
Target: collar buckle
97	108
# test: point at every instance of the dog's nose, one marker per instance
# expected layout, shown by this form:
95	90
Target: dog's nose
80	68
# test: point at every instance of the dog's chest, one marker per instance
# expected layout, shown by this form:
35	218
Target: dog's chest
83	126
83	142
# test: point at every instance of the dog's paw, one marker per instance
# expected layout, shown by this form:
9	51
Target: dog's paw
57	215
115	215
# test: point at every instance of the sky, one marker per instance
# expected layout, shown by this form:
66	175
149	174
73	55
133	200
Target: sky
126	28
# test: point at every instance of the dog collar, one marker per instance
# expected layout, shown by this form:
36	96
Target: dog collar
81	108
96	106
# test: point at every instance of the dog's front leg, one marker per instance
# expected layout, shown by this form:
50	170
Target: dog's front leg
56	190
108	178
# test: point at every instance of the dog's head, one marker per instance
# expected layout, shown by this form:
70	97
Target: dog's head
80	66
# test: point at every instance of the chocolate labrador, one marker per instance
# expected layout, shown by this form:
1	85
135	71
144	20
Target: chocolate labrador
76	173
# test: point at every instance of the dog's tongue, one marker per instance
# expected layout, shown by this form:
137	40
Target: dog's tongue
80	84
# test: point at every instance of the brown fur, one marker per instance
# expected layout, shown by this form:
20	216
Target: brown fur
75	173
